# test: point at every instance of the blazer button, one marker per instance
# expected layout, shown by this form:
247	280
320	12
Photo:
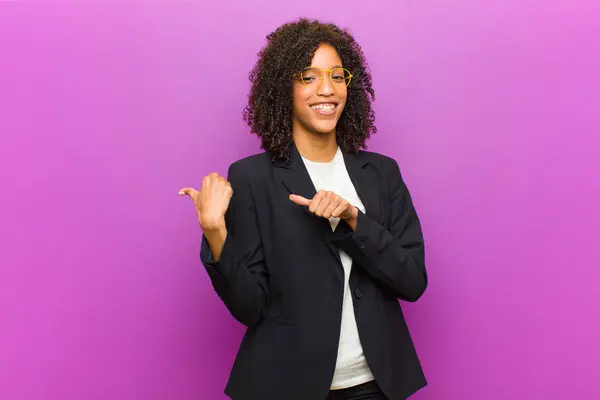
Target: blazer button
358	293
362	245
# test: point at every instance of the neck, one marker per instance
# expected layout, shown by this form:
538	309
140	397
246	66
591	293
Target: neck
315	147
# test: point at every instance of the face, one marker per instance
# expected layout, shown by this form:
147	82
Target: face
318	103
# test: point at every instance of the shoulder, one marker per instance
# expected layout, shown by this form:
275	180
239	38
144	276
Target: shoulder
249	168
386	163
385	167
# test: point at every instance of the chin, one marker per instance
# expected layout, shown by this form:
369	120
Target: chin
324	129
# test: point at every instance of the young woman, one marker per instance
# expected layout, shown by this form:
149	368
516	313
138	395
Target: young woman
311	243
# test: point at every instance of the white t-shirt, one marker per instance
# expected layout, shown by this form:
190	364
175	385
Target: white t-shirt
351	366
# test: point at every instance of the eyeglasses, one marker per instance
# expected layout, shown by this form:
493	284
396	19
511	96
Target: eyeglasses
310	76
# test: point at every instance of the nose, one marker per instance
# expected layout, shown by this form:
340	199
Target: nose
325	86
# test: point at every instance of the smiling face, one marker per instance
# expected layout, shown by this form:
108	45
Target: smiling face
318	103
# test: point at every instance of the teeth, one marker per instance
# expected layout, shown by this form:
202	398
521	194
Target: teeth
327	107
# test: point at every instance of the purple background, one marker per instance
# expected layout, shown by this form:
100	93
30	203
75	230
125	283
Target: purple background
106	110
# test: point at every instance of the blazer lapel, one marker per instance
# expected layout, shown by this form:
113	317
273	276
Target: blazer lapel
364	183
296	179
294	176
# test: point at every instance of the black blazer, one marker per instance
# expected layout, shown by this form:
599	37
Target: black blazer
280	274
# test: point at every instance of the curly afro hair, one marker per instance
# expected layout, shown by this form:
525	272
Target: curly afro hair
290	49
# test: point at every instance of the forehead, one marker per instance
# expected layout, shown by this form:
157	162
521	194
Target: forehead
326	57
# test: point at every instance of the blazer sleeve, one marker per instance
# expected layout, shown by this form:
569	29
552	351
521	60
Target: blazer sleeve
240	276
395	257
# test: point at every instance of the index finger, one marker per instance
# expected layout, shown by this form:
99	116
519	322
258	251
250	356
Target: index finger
299	200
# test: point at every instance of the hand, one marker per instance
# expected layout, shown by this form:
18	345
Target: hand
327	204
212	201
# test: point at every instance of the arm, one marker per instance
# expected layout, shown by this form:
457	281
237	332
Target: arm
394	257
233	256
215	239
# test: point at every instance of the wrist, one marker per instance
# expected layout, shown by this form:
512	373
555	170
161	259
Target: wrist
353	214
215	233
353	220
213	227
215	236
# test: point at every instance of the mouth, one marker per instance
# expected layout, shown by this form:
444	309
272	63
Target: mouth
326	109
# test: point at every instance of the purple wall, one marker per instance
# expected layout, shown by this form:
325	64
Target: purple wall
106	110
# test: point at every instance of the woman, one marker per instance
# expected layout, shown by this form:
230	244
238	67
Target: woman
311	243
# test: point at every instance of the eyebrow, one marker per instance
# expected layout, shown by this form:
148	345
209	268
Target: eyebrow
335	66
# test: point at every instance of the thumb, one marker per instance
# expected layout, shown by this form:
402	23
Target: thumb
188	191
299	200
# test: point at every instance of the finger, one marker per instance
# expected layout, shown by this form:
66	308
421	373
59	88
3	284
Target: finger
221	183
302	201
328	213
314	203
188	192
226	183
324	203
227	190
340	209
210	178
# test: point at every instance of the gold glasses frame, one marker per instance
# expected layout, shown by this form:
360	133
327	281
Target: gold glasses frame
347	78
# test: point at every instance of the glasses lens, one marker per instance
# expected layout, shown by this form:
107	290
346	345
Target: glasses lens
311	75
338	75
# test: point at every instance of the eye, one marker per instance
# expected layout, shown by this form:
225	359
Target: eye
310	75
340	75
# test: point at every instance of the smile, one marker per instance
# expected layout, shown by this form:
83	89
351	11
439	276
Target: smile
324	108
